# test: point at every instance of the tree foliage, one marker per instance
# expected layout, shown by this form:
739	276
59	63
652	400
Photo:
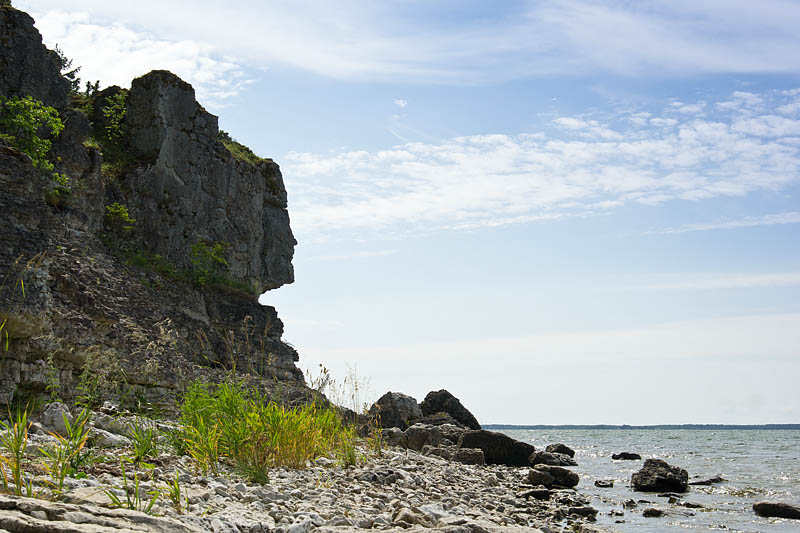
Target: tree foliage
21	122
67	71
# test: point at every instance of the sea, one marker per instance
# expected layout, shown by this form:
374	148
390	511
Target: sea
757	465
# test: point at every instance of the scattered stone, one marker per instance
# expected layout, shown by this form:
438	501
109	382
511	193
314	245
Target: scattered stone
604	483
498	449
396	410
467	456
537	494
777	510
560	448
652	512
552	458
626	456
583	510
443	402
659	476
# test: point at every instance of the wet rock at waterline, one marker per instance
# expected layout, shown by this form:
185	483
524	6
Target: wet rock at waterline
659	476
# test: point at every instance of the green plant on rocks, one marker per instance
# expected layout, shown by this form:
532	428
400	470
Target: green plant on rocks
64	457
134	498
21	120
14	440
207	259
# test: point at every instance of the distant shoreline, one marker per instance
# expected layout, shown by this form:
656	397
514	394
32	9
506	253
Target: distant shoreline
657	426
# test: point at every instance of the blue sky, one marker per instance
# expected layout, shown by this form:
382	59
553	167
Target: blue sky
563	212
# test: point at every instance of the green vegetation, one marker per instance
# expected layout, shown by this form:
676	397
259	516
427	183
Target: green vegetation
118	220
206	260
143	437
114	113
238	150
21	120
239	424
71	74
5	3
14	439
133	495
65	457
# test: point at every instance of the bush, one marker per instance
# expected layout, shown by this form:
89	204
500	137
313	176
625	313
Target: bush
206	260
22	120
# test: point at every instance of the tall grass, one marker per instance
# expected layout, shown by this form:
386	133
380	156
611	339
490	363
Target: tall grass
232	421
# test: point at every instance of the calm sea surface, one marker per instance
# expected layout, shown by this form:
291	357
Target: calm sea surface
759	465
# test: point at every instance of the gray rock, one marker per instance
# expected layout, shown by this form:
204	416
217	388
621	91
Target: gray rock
498	448
443	402
777	510
419	435
604	483
552	476
554	459
652	512
392	436
659	476
52	418
396	409
709	481
560	448
103	438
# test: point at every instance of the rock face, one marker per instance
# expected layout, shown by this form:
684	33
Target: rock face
777	510
89	313
27	67
189	189
659	476
498	449
443	402
396	410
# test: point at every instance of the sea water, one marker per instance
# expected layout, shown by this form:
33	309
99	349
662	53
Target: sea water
758	465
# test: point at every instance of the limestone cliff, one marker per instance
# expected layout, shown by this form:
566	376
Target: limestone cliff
90	307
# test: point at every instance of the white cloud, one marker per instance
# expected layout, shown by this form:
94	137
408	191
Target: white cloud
115	54
400	40
746	222
584	168
400	102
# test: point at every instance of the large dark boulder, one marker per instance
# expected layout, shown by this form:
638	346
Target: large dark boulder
499	449
777	510
552	476
396	410
444	402
420	435
659	476
626	456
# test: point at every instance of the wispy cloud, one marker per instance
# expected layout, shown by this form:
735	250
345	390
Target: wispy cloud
581	167
355	255
724	281
399	102
360	39
792	217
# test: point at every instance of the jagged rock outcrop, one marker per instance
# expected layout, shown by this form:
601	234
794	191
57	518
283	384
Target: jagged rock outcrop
443	402
79	314
657	475
396	410
189	188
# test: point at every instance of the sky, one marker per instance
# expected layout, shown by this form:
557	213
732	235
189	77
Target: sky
563	212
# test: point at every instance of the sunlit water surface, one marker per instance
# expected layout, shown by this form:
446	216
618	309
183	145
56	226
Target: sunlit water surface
758	465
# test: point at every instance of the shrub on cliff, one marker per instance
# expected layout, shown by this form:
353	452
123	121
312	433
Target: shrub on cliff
22	120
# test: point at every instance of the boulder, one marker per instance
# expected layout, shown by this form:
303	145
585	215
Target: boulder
604	483
418	435
659	476
451	432
652	512
777	510
396	410
443	402
52	418
392	436
560	448
554	459
498	449
552	476
626	456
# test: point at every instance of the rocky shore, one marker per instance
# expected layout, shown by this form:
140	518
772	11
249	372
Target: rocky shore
388	489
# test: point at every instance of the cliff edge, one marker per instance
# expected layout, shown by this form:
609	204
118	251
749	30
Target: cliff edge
134	266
